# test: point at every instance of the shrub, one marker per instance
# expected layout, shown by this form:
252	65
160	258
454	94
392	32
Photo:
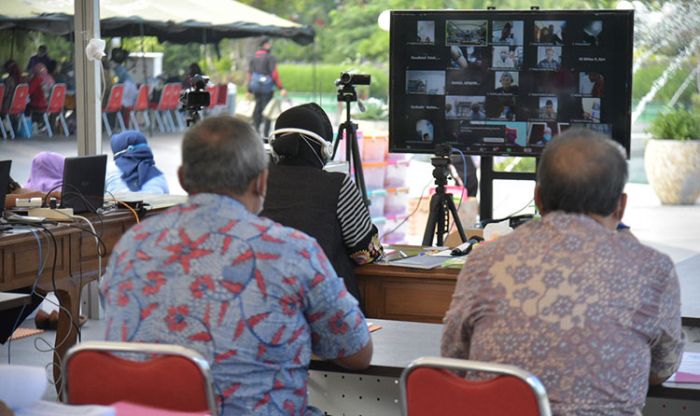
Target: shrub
676	125
301	78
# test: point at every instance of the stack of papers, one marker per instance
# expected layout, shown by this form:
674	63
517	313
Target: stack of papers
689	371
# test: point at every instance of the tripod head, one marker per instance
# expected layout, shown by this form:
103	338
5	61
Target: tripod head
441	163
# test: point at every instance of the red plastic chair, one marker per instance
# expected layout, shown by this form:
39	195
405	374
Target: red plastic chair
213	96
168	102
140	106
428	388
17	107
114	105
171	377
57	99
223	95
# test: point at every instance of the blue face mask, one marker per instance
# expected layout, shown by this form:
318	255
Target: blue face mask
547	137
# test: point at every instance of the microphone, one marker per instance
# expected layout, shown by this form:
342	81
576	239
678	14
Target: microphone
466	248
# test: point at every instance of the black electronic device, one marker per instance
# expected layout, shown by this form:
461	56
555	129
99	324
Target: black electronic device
5	166
504	82
195	98
84	183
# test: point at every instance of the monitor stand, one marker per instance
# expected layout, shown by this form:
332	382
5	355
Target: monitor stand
488	175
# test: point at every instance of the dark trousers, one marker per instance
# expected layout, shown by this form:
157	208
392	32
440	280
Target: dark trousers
261	100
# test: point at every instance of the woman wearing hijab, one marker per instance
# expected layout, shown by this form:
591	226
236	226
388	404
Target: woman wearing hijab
46	174
326	205
135	169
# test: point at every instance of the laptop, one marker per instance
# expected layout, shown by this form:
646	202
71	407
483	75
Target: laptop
84	183
4	181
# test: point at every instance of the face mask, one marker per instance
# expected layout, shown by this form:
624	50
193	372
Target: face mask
547	137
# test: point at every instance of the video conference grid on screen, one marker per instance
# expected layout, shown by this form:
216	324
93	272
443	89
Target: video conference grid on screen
507	82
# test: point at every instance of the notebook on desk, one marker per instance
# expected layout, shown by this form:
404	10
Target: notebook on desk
420	262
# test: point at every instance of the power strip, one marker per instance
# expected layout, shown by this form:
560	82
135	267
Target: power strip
57	214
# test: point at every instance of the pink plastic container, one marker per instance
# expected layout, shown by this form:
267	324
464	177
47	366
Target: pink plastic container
374	173
397	236
396	173
374	148
395	157
377	199
396	202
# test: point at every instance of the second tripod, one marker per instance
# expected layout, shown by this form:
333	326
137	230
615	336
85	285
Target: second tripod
348	130
441	204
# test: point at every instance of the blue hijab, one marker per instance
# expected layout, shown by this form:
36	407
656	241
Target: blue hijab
134	158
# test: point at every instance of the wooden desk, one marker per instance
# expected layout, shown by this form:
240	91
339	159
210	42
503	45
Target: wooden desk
13	300
376	391
76	265
403	294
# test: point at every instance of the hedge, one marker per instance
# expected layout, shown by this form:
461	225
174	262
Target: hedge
300	78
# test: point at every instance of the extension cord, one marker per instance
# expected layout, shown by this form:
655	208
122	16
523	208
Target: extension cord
55	214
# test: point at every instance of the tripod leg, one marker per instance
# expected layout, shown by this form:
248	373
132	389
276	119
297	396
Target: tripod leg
357	164
455	217
432	221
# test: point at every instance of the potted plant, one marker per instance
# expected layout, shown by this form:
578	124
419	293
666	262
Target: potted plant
672	157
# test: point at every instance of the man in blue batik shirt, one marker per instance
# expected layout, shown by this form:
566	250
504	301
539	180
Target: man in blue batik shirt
254	297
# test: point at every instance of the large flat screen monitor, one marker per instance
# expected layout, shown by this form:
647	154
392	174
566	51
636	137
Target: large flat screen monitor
505	82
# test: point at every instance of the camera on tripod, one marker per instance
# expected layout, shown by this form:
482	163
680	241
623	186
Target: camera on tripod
346	78
195	98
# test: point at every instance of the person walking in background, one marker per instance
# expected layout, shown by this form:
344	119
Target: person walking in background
262	80
41	57
135	169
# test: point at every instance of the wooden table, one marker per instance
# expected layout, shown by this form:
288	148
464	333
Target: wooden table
404	294
13	300
375	390
76	265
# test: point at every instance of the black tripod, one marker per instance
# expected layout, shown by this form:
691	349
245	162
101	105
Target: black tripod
441	205
348	129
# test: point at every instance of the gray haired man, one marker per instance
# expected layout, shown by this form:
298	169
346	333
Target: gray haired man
254	297
588	309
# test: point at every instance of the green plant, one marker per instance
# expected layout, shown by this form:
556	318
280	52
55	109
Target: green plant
676	125
375	109
306	78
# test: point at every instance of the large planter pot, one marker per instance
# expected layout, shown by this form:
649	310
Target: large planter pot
673	170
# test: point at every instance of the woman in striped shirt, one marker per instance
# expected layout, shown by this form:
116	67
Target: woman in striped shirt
326	205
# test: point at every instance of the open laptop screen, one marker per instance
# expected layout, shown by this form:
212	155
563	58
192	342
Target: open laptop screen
84	183
4	181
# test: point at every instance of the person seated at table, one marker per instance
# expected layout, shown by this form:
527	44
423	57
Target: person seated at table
14	77
40	85
326	205
254	297
134	168
589	310
46	174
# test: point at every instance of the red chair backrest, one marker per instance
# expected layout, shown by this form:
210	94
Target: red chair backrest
19	99
57	98
432	391
114	103
170	96
223	95
165	382
141	103
213	95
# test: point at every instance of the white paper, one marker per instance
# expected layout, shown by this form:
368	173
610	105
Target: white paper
44	408
22	385
690	365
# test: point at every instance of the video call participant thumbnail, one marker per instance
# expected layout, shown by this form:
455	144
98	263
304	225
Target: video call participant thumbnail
549	58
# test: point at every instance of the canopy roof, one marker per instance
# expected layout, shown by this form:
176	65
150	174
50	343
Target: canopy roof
181	21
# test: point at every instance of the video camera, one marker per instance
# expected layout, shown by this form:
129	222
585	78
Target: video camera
347	78
195	98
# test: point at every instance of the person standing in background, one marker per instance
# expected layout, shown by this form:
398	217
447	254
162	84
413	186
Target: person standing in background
262	80
41	57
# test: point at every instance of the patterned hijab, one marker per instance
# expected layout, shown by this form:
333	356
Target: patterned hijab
134	158
47	172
